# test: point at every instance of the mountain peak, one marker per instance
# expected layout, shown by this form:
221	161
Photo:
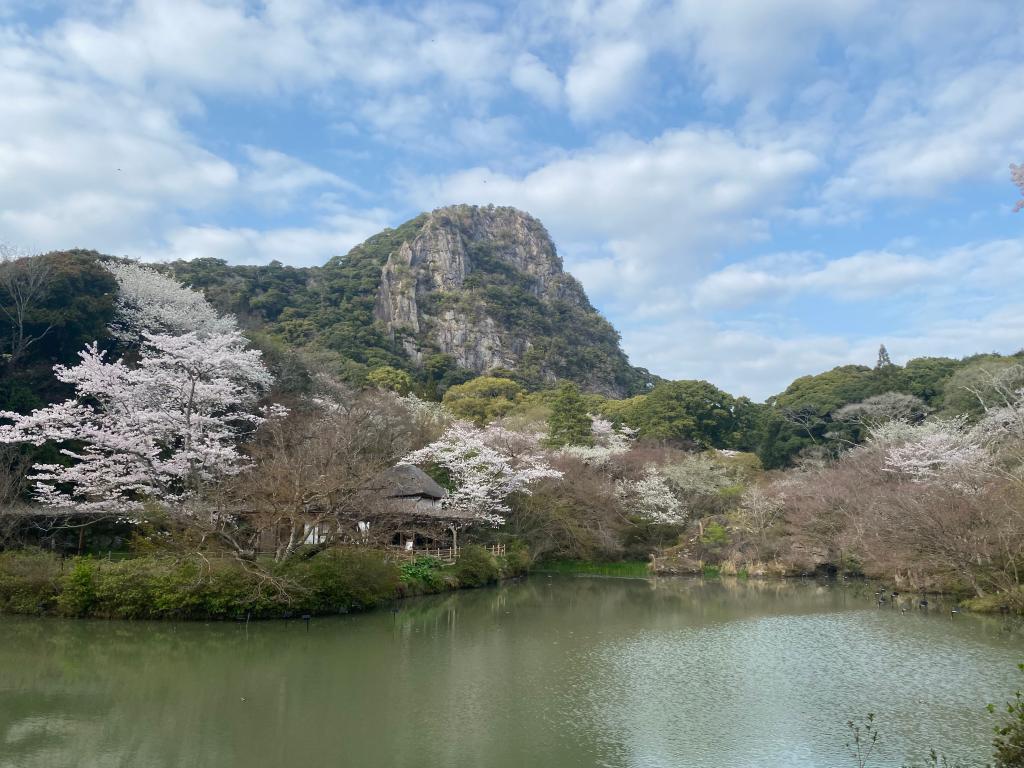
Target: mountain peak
485	285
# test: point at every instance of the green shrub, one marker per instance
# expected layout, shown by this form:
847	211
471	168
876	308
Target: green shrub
426	572
1009	741
78	588
154	587
342	579
165	588
852	564
28	581
179	591
225	589
715	536
516	561
124	589
475	567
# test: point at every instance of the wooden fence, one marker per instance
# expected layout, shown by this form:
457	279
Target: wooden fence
445	554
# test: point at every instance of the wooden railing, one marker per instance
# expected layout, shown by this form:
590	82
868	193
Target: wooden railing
447	554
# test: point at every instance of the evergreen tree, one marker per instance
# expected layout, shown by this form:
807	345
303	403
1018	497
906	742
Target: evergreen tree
569	423
883	358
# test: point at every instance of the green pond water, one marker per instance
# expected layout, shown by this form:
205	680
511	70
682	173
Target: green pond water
550	671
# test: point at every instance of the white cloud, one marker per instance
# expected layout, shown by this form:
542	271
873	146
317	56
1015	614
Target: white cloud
233	46
917	139
398	116
746	49
649	212
83	165
863	276
759	358
300	246
530	75
603	76
87	163
276	174
491	134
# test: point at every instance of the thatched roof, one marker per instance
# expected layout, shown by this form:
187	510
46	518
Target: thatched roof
405	480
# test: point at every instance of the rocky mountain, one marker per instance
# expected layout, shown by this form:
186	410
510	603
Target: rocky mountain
462	288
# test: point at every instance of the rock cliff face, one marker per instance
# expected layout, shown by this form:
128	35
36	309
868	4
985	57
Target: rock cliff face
464	287
486	286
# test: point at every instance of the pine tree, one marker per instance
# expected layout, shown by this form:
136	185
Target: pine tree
569	423
883	358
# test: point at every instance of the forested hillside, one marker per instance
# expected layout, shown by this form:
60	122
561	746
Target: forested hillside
327	319
446	296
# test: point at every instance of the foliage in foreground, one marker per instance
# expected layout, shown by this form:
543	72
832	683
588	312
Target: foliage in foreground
865	737
162	587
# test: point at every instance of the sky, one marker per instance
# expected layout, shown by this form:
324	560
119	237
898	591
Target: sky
750	192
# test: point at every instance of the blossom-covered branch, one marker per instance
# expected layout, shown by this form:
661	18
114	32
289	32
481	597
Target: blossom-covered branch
148	301
485	467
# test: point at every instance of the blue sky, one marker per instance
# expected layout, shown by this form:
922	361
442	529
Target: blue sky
749	191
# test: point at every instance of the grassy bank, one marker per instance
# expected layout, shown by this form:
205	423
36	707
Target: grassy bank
154	587
633	569
1010	602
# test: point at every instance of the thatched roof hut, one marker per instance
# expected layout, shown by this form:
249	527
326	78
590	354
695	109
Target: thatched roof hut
405	481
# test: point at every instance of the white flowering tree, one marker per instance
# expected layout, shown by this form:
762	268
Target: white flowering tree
698	474
162	430
608	443
150	302
943	450
888	406
485	467
652	498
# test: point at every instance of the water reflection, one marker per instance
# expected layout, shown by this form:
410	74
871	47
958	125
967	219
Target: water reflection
546	672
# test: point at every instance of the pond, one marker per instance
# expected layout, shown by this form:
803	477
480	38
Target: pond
550	671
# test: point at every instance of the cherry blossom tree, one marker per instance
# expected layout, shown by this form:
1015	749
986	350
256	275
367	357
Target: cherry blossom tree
698	474
150	302
888	406
608	443
163	430
651	497
943	450
485	467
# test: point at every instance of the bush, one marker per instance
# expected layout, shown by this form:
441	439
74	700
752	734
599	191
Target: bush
228	591
1009	741
78	588
28	581
516	561
425	572
715	536
342	579
180	591
152	587
475	567
124	590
